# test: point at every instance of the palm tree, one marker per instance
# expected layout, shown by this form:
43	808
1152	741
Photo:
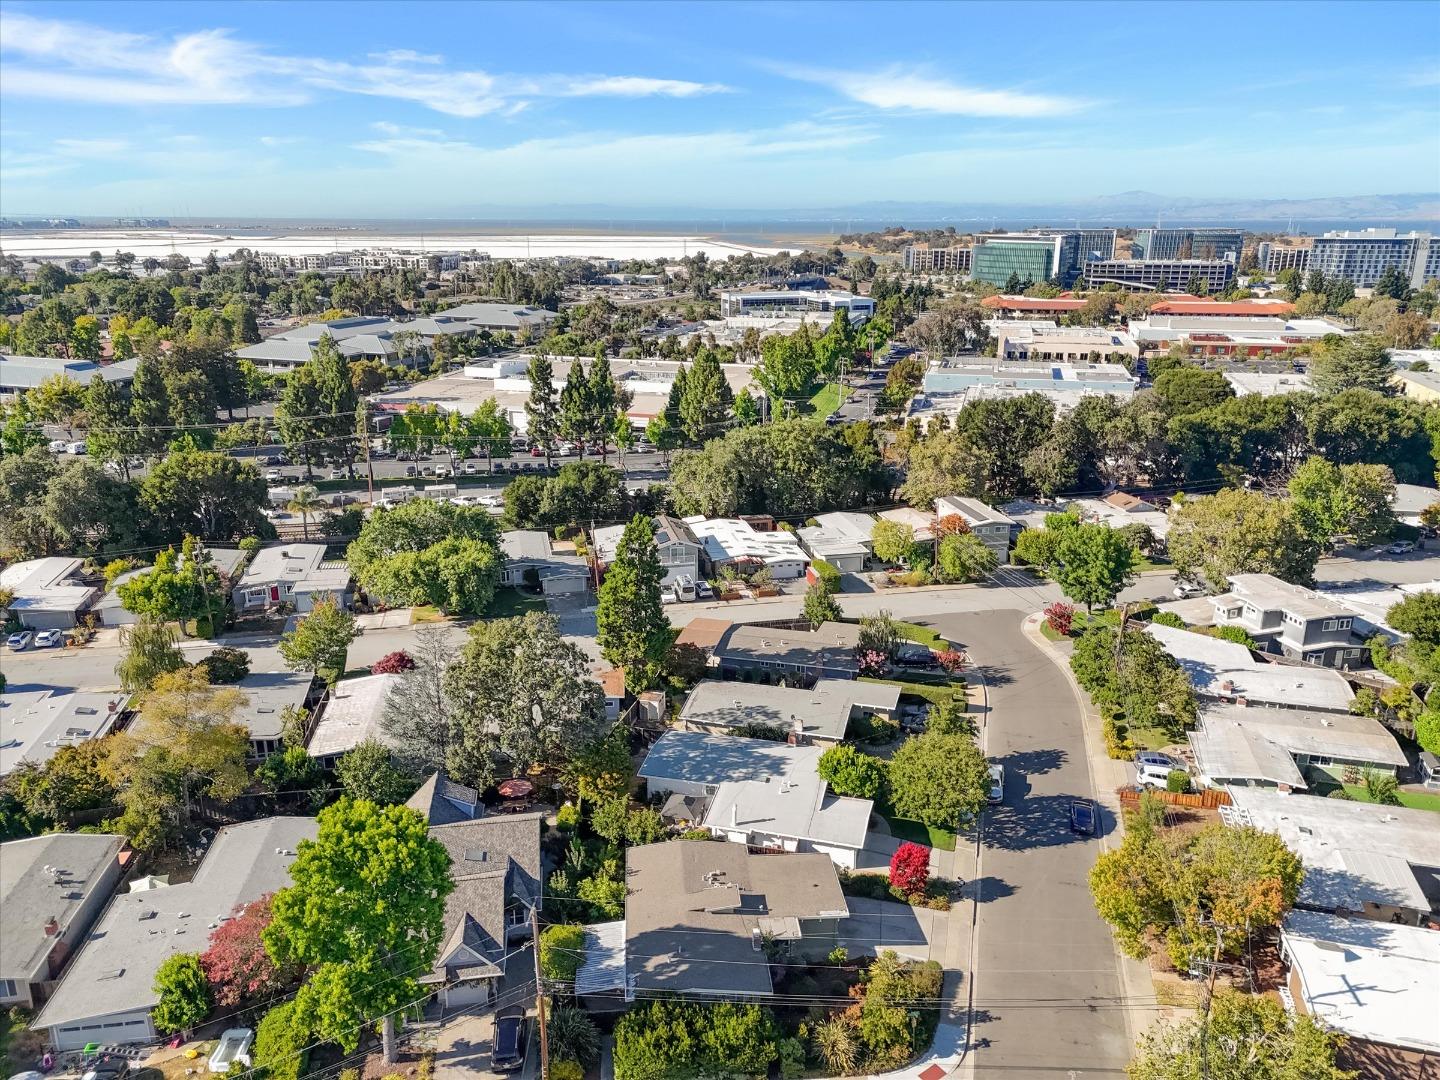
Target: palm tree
306	501
835	1042
1381	788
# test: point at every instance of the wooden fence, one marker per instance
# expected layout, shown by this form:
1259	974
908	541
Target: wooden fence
1208	799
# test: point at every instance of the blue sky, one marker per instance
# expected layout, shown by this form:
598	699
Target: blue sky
413	109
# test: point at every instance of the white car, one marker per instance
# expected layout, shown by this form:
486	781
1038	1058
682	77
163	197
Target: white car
466	500
57	446
1402	547
997	784
470	468
667	596
75	448
20	641
273	476
49	639
1185	590
490	501
1153	769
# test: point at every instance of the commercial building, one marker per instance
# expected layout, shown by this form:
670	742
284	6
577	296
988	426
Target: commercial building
991	527
996	258
1205	243
108	992
923	259
47	594
772	654
1272	258
1027	307
1267	384
52	889
1161	275
818	715
1221	670
1229	336
1071	344
1420	385
1222	309
790	301
20	373
1362	256
952	383
1094	243
34	724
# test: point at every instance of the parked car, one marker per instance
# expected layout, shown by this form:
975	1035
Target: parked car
49	639
1185	590
442	471
411	470
915	656
509	1046
20	640
667	596
1402	547
57	446
108	1068
703	591
1082	817
273	476
490	501
466	500
337	474
997	784
470	468
1153	769
75	448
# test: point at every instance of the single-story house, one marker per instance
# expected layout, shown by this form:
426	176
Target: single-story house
850	524
819	714
52	889
1119	509
495	863
108	992
291	574
698	914
351	714
271	695
844	552
21	373
111	612
679	548
736	543
989	525
1224	671
36	723
1412	500
1243	745
47	594
527	550
696	763
771	654
1374	982
921	524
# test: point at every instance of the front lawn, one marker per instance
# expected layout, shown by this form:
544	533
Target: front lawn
1415	800
916	831
826	400
934	689
510	602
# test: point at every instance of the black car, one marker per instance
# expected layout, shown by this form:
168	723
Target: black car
1082	817
915	656
509	1052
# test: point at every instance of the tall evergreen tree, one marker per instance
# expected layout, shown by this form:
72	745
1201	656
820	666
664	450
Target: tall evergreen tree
575	409
542	412
602	400
149	407
705	398
632	629
110	438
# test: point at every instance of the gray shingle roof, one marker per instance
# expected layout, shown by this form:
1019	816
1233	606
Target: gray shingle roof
29	895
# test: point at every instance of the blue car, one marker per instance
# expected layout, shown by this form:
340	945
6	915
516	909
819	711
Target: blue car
1082	817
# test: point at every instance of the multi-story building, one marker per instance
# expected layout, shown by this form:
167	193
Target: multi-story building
791	300
990	526
1029	257
1189	244
1272	258
923	259
1094	243
1073	344
1160	275
1361	257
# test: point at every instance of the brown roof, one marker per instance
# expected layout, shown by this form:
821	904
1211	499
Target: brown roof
704	633
613	682
1005	302
1123	500
1216	307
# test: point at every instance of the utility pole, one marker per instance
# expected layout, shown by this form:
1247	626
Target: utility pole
539	993
365	438
1205	1009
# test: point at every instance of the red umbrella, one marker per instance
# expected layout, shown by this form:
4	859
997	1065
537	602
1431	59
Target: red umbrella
514	789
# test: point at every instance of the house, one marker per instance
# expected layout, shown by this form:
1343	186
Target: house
613	683
52	889
1376	983
1381	862
1119	509
291	574
34	724
529	557
736	543
989	525
1412	500
698	916
678	546
351	714
1291	620
1224	671
1239	745
741	650
819	714
108	992
111	612
844	540
495	863
272	696
47	594
917	521
693	764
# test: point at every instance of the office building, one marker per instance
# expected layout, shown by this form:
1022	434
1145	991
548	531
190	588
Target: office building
1189	244
818	301
923	259
1028	257
1229	336
1069	343
1272	258
1161	275
1361	257
1094	243
950	385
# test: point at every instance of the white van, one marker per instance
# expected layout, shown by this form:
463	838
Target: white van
684	587
396	495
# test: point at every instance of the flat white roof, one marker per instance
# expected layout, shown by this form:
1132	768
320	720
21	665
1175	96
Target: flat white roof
352	715
1223	669
1233	742
34	724
731	540
1371	980
45	585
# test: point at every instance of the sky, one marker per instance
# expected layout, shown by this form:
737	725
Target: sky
335	109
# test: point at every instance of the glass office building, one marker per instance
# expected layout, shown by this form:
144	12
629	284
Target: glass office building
1189	244
1054	257
1361	257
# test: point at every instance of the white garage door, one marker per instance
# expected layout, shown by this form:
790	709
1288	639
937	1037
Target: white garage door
468	993
120	1029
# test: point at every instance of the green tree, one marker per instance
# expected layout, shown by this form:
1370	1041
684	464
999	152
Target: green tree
321	640
282	1042
1191	389
1137	679
214	496
1419	616
107	411
941	780
149	653
601	769
429	552
184	994
306	502
892	541
964	557
58	399
1353	362
1343	500
181	586
69	784
367	772
707	397
562	950
631	627
1243	1036
821	605
542	408
1237	531
576	412
849	771
364	915
1092	564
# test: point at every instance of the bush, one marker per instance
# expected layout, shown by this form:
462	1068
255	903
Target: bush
675	1039
250	545
184	994
697	834
910	868
225	665
1168	618
567	817
1177	781
826	575
850	772
393	663
562	949
281	1043
565	1069
574	1038
1060	617
1117	741
1236	634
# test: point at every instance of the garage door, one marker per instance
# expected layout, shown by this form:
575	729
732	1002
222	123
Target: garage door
115	1030
468	993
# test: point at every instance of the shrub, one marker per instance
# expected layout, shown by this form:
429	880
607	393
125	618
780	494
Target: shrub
226	665
838	956
1177	781
952	660
393	663
281	1043
567	817
826	575
1060	618
1168	618
910	868
574	1038
184	994
1117	741
562	948
250	545
675	1039
1236	634
850	772
565	1069
697	834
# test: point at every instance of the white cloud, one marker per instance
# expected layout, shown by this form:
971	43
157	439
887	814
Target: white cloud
906	90
385	127
90	148
281	140
72	61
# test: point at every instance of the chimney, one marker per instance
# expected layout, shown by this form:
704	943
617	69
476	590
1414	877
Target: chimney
52	926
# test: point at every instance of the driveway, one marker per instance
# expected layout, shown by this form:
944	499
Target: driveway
463	1047
877	925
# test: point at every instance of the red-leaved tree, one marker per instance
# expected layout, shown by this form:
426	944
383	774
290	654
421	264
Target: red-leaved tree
910	868
1060	617
393	663
236	963
952	660
951	525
